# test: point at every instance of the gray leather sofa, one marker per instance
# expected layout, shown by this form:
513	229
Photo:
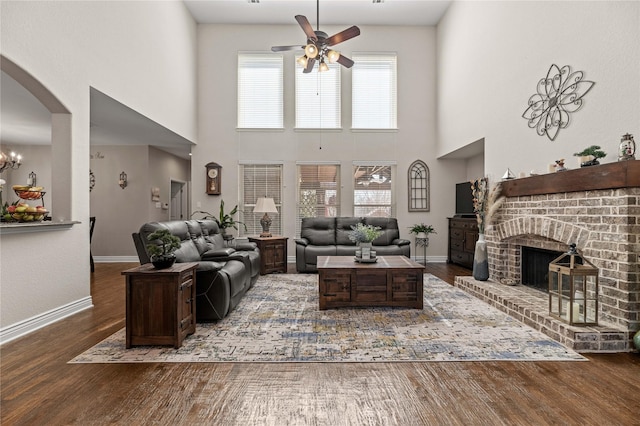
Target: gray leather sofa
224	274
329	236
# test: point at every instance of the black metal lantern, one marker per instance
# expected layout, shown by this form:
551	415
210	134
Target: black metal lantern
573	289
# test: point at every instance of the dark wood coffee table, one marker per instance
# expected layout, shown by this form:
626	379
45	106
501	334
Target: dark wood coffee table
391	281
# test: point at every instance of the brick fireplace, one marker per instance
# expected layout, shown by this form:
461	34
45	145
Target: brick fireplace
598	209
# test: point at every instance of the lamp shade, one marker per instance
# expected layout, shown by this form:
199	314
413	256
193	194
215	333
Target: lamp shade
265	205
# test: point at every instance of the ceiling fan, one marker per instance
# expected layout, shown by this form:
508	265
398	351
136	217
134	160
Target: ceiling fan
318	47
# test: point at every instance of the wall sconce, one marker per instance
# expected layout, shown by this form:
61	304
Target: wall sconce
13	161
265	205
123	180
31	180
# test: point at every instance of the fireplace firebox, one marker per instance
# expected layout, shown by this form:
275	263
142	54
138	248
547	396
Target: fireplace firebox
535	267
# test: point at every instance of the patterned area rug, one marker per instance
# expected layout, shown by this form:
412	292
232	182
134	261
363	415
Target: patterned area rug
278	320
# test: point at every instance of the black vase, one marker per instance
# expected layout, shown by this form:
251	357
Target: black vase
163	262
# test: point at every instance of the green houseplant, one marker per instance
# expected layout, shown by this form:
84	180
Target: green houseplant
421	230
162	248
224	220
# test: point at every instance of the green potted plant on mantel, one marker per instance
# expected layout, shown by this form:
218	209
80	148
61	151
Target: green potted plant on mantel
162	248
589	156
224	220
421	230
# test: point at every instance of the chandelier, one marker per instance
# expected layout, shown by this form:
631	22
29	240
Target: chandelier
12	161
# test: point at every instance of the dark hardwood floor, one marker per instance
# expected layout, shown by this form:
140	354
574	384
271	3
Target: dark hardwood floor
38	387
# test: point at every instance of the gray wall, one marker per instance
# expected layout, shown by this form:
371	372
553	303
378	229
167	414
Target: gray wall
491	56
119	212
415	138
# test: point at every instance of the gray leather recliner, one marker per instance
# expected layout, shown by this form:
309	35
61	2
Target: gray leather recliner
224	274
329	236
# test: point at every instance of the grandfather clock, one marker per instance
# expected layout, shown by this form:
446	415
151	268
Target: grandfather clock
214	178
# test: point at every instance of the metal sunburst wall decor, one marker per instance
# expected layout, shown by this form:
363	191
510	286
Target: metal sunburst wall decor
558	95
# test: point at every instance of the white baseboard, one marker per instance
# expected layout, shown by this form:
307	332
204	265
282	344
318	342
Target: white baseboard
115	259
430	259
32	324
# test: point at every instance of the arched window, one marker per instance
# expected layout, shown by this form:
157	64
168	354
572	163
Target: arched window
418	178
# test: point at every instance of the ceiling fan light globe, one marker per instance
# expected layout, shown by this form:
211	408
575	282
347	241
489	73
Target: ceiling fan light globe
333	56
323	67
302	60
311	50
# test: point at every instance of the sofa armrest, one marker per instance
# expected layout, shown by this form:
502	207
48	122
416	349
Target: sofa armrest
246	246
302	241
401	242
219	253
209	266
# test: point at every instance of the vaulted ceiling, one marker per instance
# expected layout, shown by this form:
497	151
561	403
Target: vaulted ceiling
24	121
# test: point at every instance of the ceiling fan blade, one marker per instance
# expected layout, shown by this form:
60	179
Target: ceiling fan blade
284	48
343	36
306	26
309	66
344	61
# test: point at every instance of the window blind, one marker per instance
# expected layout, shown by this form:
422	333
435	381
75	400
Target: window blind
318	98
318	191
260	90
374	91
260	180
373	194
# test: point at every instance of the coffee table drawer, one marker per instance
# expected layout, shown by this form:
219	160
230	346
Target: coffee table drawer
336	286
370	286
405	286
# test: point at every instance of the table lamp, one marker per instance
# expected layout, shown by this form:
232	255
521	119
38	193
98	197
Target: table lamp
265	205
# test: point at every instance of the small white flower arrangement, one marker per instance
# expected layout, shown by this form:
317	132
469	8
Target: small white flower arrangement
361	233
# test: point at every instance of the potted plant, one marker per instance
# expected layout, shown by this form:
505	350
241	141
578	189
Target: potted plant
224	220
162	248
593	153
421	230
361	233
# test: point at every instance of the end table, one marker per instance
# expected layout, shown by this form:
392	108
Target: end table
273	253
161	304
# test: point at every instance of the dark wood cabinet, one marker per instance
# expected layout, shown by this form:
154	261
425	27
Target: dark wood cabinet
463	234
273	253
161	308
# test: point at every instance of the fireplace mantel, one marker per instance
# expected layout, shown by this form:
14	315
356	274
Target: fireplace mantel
623	174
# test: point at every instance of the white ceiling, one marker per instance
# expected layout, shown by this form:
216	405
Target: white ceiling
25	121
332	12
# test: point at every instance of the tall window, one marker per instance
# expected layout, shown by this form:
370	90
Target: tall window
260	91
318	98
260	180
373	190
374	92
318	191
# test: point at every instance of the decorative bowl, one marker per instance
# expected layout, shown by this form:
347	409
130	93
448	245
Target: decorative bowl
37	216
27	194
